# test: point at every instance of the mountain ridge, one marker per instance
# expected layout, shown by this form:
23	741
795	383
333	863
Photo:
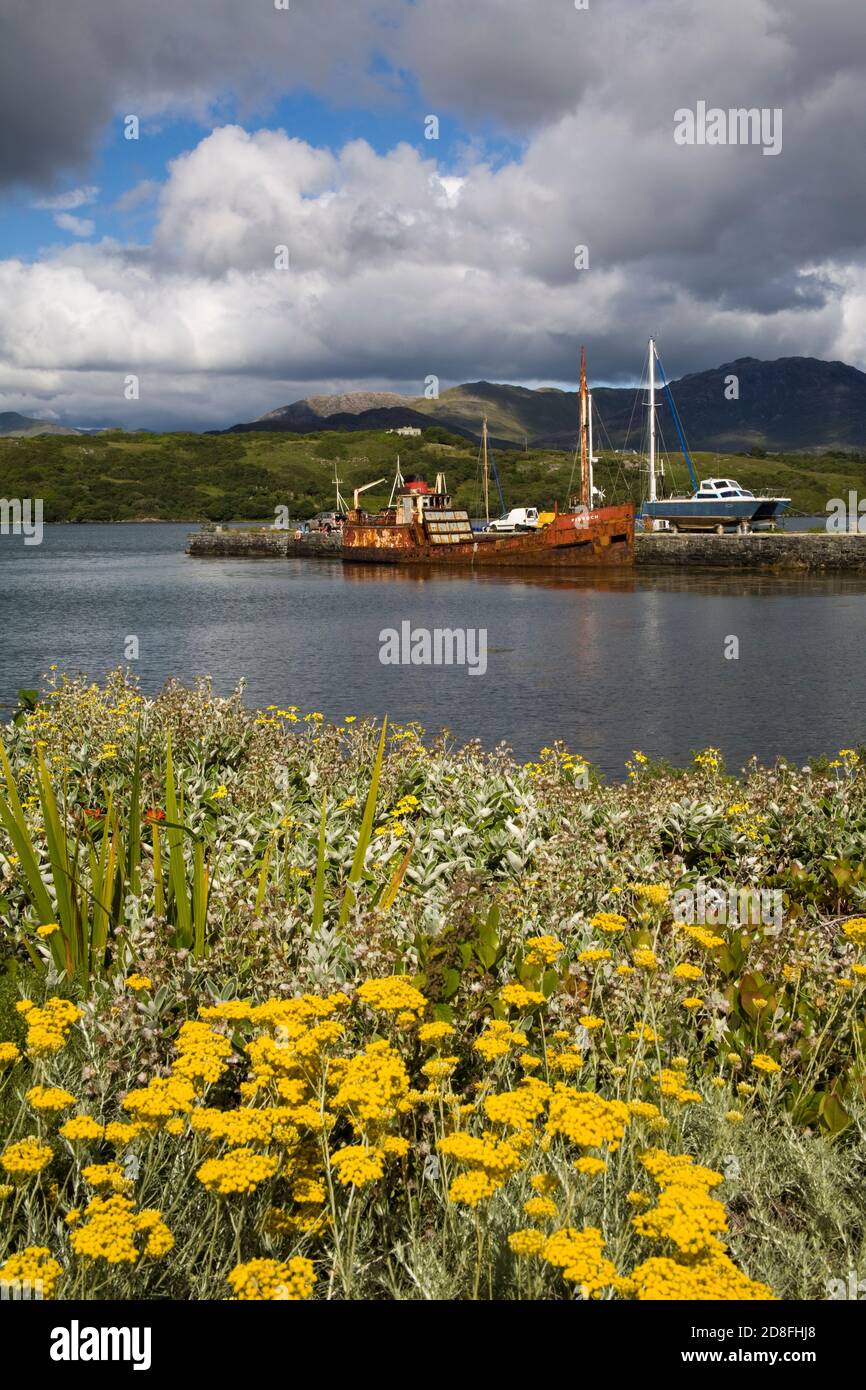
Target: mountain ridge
787	403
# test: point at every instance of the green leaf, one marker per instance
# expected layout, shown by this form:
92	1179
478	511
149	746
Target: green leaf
450	983
176	865
319	887
834	1117
366	831
487	949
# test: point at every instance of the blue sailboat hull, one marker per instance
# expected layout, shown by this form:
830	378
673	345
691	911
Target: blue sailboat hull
699	514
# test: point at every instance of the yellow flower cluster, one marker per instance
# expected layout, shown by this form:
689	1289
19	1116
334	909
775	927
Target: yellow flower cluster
703	936
106	1175
26	1158
579	1254
497	1040
855	930
273	1280
586	1118
528	1243
761	1062
33	1269
139	982
543	950
644	958
201	1053
655	893
113	1227
435	1032
685	1213
48	1028
393	994
519	997
714	1278
357	1164
239	1171
671	1082
372	1086
611	922
163	1097
50	1098
81	1129
489	1163
518	1109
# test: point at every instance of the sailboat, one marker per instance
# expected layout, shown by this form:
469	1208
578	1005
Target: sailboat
716	504
422	526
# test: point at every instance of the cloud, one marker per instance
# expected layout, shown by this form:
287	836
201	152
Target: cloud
401	266
138	196
73	198
66	74
78	226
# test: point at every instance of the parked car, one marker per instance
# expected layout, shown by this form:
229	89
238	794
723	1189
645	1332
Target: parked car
326	521
518	519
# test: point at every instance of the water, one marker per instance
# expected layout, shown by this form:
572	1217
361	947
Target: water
607	664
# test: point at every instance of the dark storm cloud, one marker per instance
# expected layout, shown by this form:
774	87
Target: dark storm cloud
402	268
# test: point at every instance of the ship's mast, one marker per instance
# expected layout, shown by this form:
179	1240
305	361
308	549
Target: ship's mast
341	505
399	481
585	494
485	466
589	417
652	420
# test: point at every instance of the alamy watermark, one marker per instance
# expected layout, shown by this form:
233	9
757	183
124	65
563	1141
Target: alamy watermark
77	1343
846	517
737	126
850	1288
438	646
21	1290
21	516
728	906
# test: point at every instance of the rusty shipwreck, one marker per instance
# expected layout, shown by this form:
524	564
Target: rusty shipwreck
422	526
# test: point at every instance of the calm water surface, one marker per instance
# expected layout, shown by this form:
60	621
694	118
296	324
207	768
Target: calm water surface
606	665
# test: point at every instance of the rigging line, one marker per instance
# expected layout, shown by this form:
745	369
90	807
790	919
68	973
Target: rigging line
678	425
634	407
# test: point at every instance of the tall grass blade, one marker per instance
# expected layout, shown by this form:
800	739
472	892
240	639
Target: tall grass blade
263	879
158	885
200	897
176	866
319	887
366	832
386	902
133	848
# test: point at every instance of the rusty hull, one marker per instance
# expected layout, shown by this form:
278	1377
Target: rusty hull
573	540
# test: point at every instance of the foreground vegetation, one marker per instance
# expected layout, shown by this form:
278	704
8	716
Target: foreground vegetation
191	477
292	1010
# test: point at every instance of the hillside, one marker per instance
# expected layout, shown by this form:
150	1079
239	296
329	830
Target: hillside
189	477
793	403
13	425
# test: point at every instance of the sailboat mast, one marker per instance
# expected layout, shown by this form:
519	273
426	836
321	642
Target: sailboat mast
341	505
486	470
652	420
589	418
585	495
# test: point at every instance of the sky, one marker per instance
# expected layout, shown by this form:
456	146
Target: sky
283	225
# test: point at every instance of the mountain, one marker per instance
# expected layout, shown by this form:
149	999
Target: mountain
301	418
11	423
791	403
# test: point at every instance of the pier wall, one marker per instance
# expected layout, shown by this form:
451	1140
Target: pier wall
780	550
263	544
784	552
